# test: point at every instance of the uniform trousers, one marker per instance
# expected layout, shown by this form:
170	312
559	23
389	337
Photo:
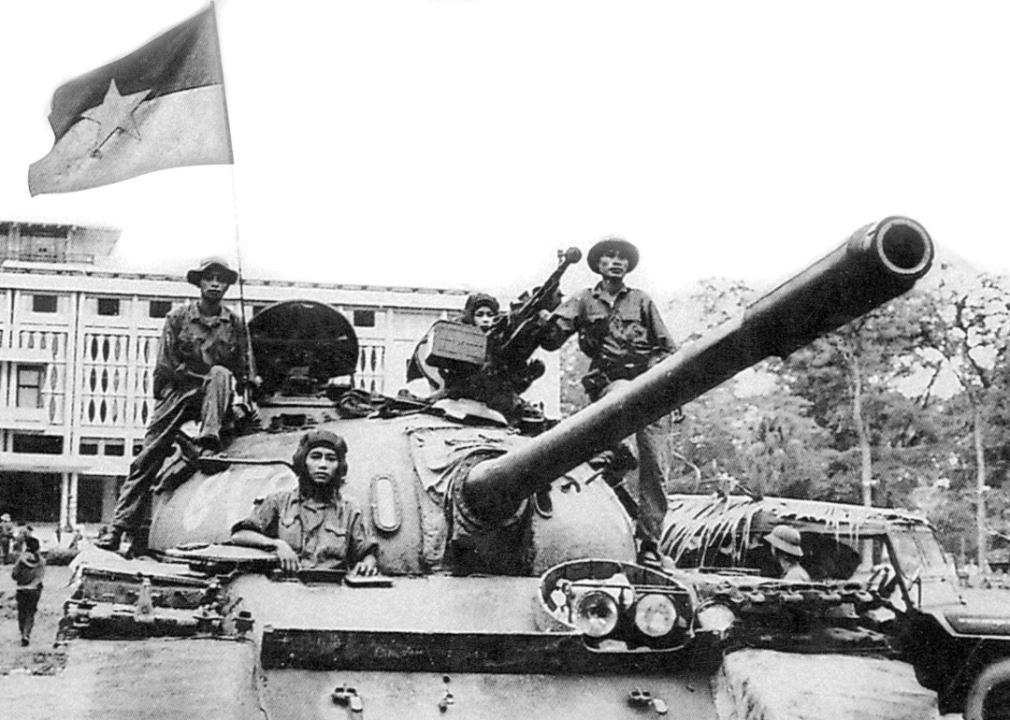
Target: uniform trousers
28	602
646	486
208	403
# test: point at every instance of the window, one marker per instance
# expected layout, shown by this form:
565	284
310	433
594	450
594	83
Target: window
114	448
108	306
364	318
45	444
29	387
44	303
159	308
89	446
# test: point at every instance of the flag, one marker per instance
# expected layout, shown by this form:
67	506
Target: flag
159	107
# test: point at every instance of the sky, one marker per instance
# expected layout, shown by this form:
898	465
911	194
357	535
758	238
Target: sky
461	143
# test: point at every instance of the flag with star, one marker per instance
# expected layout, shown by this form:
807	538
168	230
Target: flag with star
159	107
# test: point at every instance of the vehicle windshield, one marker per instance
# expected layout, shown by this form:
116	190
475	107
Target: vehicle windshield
919	554
828	555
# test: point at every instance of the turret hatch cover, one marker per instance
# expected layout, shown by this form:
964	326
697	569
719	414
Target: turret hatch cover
302	336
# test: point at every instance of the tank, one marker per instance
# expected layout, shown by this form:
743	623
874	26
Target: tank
509	585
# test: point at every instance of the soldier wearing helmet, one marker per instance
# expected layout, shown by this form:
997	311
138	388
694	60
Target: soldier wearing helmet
622	333
481	310
203	360
312	525
785	546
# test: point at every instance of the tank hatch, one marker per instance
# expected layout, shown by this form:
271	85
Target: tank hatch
300	344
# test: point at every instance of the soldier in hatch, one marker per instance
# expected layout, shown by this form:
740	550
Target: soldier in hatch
312	526
203	360
481	310
622	333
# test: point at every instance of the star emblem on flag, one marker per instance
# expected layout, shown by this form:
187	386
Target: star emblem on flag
115	113
174	97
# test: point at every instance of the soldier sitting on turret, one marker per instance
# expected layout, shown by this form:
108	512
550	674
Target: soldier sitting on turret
622	333
202	361
312	526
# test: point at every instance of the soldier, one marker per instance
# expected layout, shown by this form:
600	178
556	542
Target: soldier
481	310
202	361
622	333
312	526
786	549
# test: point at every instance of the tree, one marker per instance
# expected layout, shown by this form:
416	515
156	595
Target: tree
849	376
965	331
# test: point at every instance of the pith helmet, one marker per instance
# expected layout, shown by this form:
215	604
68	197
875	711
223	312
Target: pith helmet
606	245
227	274
786	539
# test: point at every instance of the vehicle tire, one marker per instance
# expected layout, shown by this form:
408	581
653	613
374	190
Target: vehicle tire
989	696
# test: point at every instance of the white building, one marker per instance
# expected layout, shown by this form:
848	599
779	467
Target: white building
78	343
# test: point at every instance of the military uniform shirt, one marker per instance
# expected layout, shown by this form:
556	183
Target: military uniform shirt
197	342
630	330
325	535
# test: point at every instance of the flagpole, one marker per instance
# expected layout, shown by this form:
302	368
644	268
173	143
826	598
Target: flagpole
250	359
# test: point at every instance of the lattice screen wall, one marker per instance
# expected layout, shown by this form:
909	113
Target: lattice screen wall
53	388
371	370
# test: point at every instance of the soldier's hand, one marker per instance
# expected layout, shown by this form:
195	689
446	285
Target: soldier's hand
366	566
544	316
287	556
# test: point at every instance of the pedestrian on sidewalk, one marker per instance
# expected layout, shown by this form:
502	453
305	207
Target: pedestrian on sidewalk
27	573
6	538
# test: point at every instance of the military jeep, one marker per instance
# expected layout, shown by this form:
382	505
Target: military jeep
880	584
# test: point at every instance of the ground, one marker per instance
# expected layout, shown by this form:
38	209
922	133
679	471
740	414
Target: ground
41	657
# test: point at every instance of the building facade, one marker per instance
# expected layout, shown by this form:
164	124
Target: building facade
78	343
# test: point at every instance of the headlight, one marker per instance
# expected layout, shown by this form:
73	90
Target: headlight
716	618
596	614
655	615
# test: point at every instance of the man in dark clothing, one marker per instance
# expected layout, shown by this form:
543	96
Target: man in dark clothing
6	538
622	333
29	569
202	361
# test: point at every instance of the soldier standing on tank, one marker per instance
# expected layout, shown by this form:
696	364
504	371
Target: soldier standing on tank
622	333
202	361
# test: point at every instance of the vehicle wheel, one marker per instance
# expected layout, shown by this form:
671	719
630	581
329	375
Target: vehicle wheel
989	697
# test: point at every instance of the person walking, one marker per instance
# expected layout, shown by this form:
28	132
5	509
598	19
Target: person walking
28	572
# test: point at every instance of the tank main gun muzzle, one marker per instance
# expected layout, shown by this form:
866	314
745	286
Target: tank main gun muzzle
876	264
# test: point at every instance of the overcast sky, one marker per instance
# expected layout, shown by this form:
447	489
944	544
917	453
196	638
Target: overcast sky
462	142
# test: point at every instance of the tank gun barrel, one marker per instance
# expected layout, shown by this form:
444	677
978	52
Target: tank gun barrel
876	264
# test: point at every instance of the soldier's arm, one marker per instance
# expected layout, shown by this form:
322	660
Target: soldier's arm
660	336
259	530
559	325
168	363
363	546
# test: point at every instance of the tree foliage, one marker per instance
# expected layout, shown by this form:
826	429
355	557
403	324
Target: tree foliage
912	400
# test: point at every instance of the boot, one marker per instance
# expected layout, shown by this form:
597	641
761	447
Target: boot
110	539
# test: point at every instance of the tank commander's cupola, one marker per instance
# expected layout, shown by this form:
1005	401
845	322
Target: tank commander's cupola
300	347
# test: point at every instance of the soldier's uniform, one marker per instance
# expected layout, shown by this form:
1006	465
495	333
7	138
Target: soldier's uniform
326	535
201	361
623	338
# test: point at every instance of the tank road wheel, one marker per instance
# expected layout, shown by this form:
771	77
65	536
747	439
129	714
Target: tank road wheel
989	697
